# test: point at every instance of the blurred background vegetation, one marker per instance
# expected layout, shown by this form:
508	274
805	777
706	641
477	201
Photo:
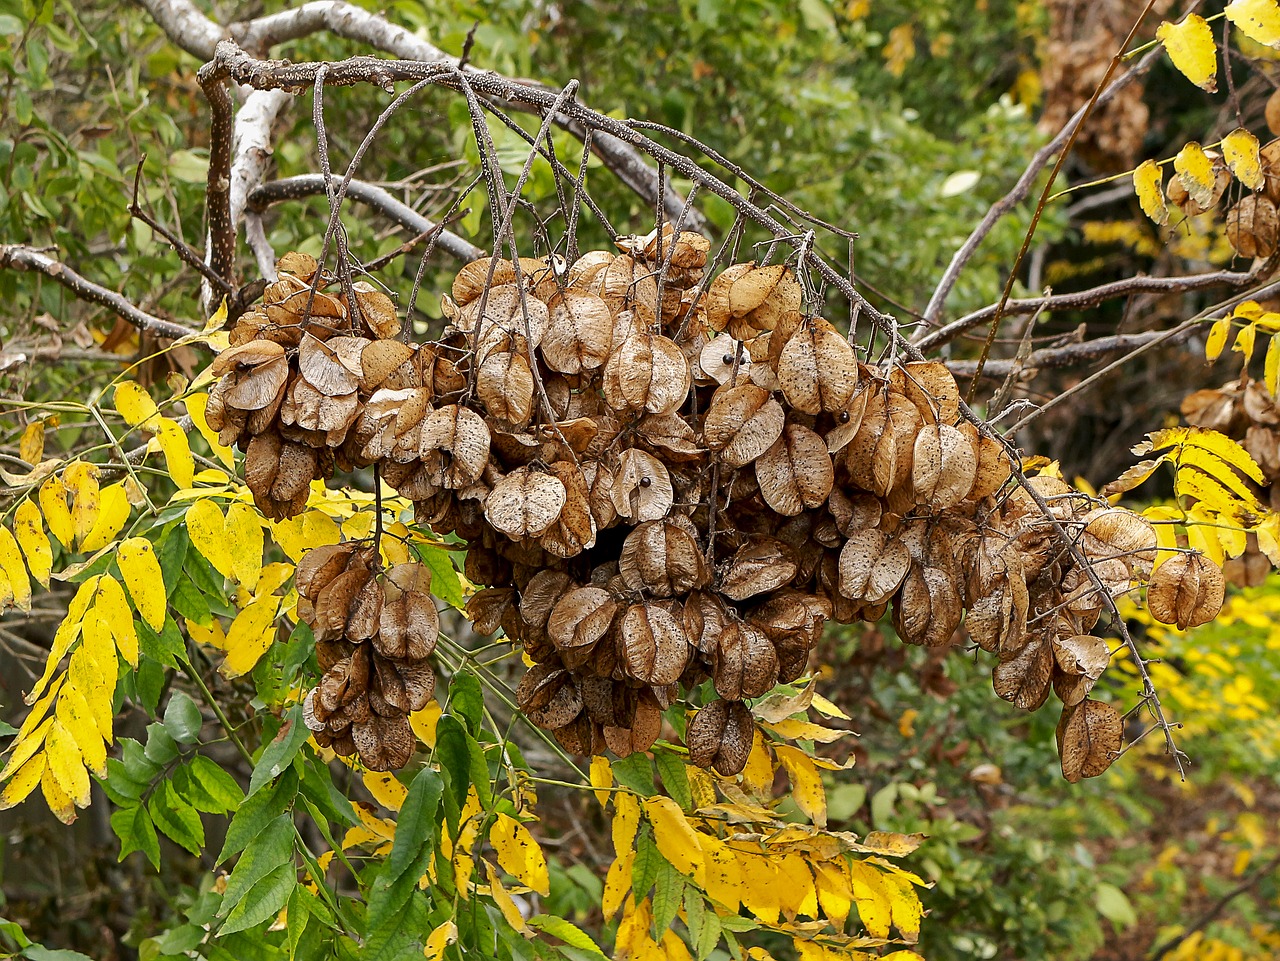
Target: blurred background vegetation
901	121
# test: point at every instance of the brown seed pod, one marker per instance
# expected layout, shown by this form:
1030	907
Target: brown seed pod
655	649
745	663
641	489
1186	590
796	472
1253	226
581	617
1089	737
944	466
872	566
525	503
761	565
817	369
742	423
646	372
579	335
1024	678
721	735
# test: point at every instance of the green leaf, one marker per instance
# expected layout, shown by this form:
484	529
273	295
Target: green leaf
445	582
171	553
7	729
318	787
708	935
300	902
272	846
466	699
264	900
1114	905
388	900
182	718
190	603
256	812
176	818
167	647
674	779
38	952
454	757
161	747
132	825
647	864
567	932
399	935
667	893
220	789
279	754
415	825
635	772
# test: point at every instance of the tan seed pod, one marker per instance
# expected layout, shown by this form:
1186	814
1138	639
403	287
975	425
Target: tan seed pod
627	285
746	664
581	617
796	472
377	309
469	282
384	743
655	649
872	566
761	565
645	726
1089	738
525	503
994	468
1253	226
541	594
246	357
1186	590
257	387
848	420
504	384
944	466
462	436
927	610
574	530
721	735
332	366
670	437
1083	654
879	456
742	423
579	335
1126	535
1025	678
647	372
717	358
719	311
303	266
487	608
379	360
930	385
817	369
662	558
642	489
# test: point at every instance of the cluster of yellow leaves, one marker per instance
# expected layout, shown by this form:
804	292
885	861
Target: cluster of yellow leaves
140	412
70	725
1191	46
737	851
1248	319
1199	173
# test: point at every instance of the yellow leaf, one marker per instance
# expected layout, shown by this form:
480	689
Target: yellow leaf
272	577
207	530
386	790
723	879
677	840
797	730
900	49
506	904
113	607
196	404
757	776
905	906
29	741
251	634
65	635
626	821
1217	339
93	671
1244	342
14	571
1197	173
33	541
53	504
870	893
797	891
244	540
82	480
137	561
31	447
213	635
1240	151
806	783
1257	19
1191	48
672	948
519	854
1271	367
440	938
299	534
1146	184
1269	538
135	405
1216	443
601	779
424	723
67	765
617	883
177	452
1200	536
113	511
702	786
76	719
834	891
760	887
22	783
56	798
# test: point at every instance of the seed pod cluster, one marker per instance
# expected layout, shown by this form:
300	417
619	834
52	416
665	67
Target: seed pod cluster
375	630
663	482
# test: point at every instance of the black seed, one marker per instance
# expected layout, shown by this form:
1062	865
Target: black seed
728	359
645	481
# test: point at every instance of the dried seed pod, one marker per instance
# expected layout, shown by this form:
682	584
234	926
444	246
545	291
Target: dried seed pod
460	435
525	503
796	472
376	309
642	489
384	743
1253	226
742	423
745	662
817	369
1089	737
1186	590
943	466
647	372
654	647
721	735
1024	678
663	558
761	565
504	384
879	456
872	566
579	335
581	617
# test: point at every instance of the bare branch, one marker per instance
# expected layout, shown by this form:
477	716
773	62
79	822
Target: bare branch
1070	355
1019	191
312	185
252	153
221	253
1091	297
22	257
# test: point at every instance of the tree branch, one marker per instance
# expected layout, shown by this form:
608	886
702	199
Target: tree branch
22	257
1070	355
221	244
312	185
1091	298
1022	187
